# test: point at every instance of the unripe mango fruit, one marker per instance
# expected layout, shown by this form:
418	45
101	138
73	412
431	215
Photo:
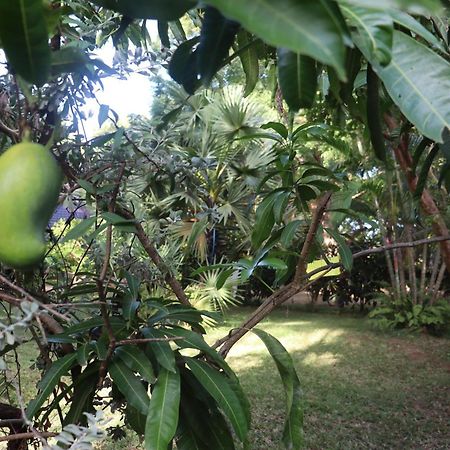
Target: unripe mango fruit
30	183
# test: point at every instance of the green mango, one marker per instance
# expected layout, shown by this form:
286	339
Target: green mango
30	183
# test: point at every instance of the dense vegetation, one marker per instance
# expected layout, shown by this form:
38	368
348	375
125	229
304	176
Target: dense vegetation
298	146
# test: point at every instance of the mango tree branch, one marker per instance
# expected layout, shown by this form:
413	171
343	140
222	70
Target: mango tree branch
152	252
284	293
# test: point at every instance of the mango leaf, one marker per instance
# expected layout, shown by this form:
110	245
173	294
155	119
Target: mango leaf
216	37
79	230
278	127
135	419
161	349
23	33
423	176
423	96
297	75
310	27
289	231
414	6
59	368
83	394
374	26
273	263
248	55
344	250
130	385
137	361
409	22
162	417
264	221
293	429
103	114
201	426
219	388
183	65
149	9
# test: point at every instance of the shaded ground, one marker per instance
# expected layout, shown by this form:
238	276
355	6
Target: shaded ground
363	389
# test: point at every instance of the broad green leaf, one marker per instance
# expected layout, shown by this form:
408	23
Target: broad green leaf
83	394
161	349
103	114
407	21
309	27
273	263
59	368
79	230
219	388
414	6
289	231
319	263
422	95
297	75
264	221
162	417
130	385
423	176
135	419
344	250
23	33
248	55
201	426
217	36
137	361
278	127
183	65
191	339
375	28
293	429
149	9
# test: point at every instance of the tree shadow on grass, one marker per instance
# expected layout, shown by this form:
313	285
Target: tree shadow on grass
360	390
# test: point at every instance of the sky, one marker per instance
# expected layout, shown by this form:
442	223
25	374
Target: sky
130	96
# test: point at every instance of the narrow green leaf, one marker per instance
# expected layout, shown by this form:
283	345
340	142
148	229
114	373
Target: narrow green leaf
137	361
79	230
414	6
216	37
219	388
130	386
83	394
374	114
162	417
23	33
311	27
278	127
297	75
344	250
375	27
59	368
423	96
135	419
103	114
149	9
273	263
407	21
161	349
289	231
423	176
293	429
248	55
264	221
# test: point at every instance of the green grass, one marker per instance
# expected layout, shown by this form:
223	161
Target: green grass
363	389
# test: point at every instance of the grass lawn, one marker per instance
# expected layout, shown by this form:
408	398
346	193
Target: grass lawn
363	389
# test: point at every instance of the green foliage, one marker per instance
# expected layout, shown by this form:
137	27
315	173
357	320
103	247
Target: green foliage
404	313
